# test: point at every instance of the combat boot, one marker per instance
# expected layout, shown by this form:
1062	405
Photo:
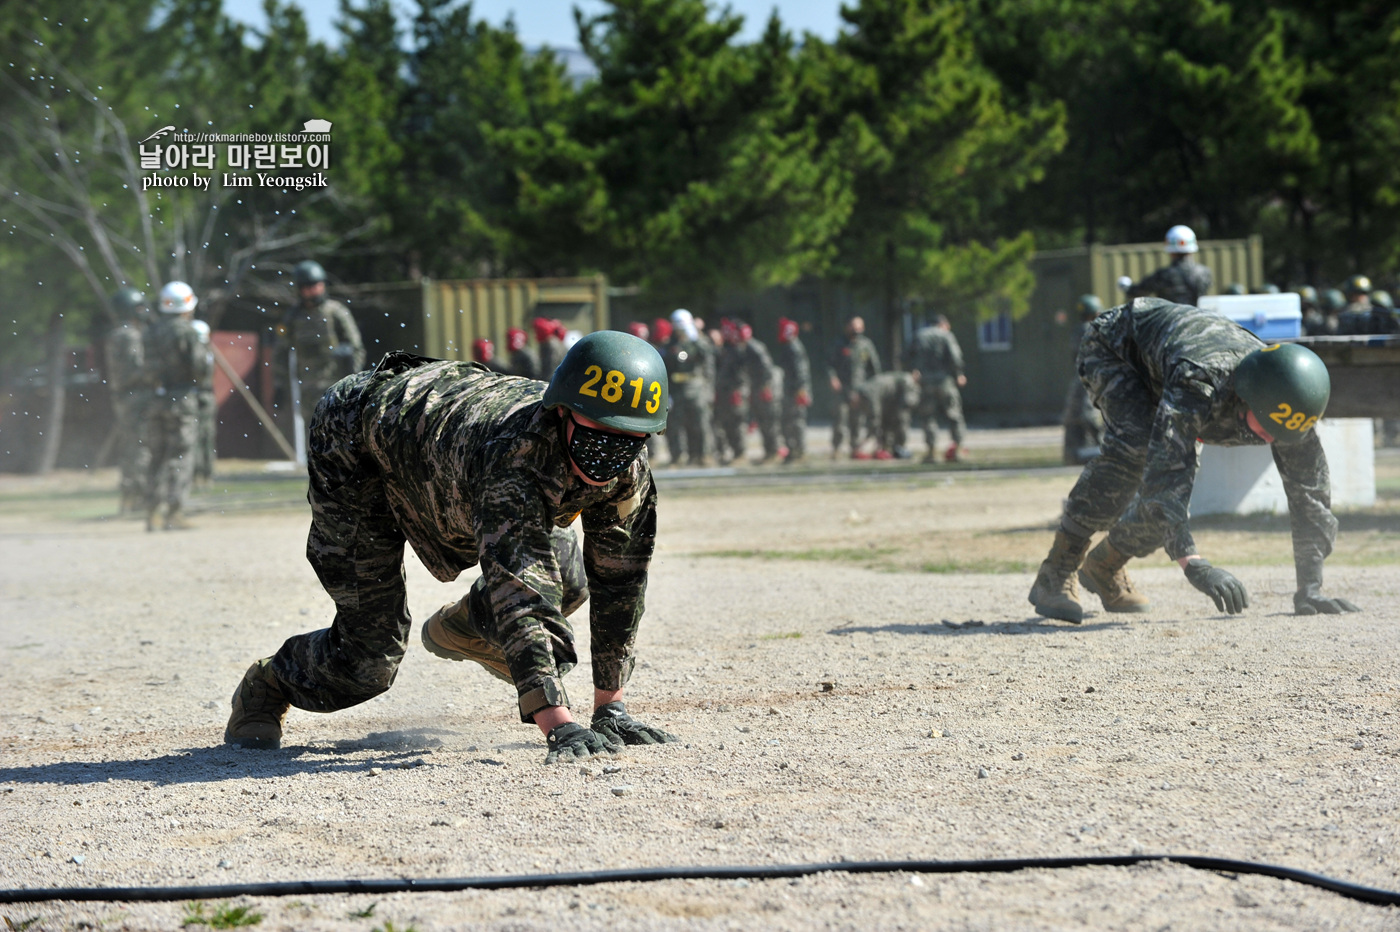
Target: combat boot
1104	575
449	635
259	708
1056	592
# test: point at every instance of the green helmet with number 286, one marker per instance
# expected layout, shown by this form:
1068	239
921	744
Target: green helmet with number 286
1287	387
615	379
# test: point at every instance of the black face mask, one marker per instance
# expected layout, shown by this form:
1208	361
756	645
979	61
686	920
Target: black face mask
601	455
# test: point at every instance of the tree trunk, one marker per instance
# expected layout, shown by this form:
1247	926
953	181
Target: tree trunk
52	425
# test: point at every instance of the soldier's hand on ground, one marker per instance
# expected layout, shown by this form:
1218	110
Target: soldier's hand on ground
1225	590
1310	601
613	722
571	741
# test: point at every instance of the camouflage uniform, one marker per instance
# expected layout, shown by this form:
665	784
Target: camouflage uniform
175	358
524	363
470	468
689	425
1182	282
762	378
550	356
131	396
1162	374
1083	422
853	361
204	449
328	346
791	360
731	403
937	357
891	397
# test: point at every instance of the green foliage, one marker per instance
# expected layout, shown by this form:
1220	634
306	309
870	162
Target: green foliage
390	927
224	916
365	913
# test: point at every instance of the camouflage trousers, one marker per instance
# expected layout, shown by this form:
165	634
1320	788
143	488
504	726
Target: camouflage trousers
204	454
168	432
356	548
689	428
940	406
794	423
1083	424
731	422
765	414
846	419
1110	482
133	456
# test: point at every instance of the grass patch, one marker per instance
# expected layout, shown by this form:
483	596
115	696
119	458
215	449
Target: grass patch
819	554
985	565
364	913
224	916
785	636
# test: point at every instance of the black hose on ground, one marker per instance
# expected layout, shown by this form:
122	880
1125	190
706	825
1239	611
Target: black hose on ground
644	874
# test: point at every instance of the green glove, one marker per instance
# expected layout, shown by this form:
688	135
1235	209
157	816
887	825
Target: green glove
613	722
571	741
1225	590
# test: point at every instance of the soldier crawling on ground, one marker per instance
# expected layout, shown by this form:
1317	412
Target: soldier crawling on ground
1167	376
513	464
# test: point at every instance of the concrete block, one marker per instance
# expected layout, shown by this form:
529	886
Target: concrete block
1243	480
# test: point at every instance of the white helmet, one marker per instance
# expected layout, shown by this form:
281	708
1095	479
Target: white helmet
1181	239
177	298
684	321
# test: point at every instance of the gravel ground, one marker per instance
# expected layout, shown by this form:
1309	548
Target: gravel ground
829	710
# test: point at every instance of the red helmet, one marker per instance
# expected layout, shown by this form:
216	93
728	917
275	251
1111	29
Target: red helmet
483	350
639	330
560	330
543	327
661	329
745	332
787	330
515	339
729	330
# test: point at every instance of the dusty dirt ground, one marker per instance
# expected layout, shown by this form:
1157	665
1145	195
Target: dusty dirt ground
846	687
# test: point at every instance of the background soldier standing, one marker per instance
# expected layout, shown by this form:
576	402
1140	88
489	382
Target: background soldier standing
853	360
206	436
323	333
1182	282
1167	376
1355	316
484	353
549	338
791	359
1083	422
175	358
517	465
129	383
936	361
523	361
686	355
731	399
764	383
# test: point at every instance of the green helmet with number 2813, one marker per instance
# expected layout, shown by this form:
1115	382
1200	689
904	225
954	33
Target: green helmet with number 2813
1287	387
615	379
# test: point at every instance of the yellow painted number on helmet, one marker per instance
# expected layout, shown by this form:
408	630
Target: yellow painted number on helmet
636	395
1293	420
654	401
587	387
612	385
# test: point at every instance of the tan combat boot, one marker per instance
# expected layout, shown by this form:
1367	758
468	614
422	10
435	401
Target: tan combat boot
1055	593
259	708
448	635
1103	575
